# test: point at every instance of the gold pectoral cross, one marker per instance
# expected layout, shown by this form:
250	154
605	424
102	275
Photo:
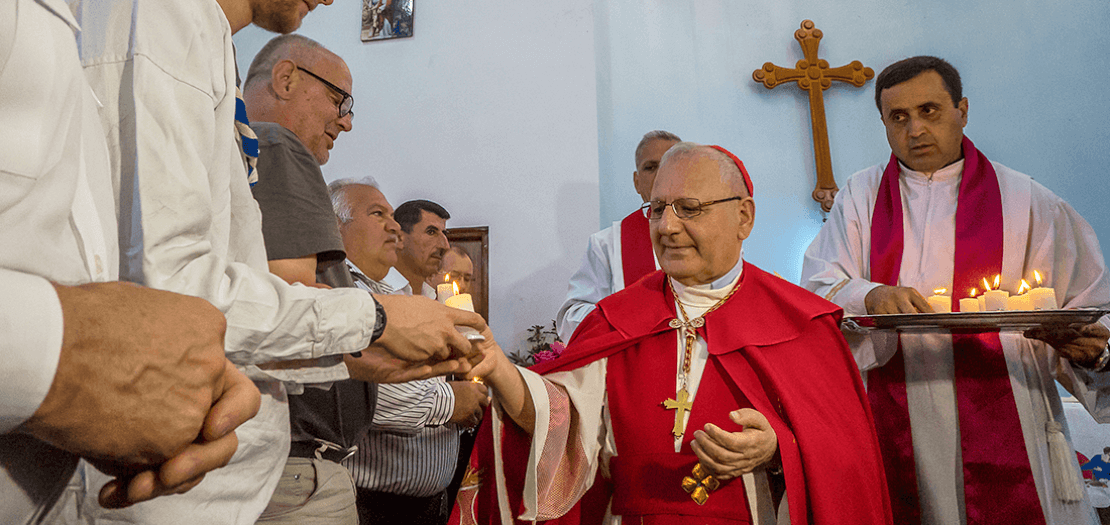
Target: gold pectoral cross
680	405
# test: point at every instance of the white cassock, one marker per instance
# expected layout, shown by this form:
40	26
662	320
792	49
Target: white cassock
1052	239
601	275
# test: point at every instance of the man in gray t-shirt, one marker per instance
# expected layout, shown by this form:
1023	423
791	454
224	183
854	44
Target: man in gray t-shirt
297	113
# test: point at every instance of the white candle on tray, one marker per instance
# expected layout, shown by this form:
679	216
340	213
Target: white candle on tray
941	303
1042	298
970	303
995	300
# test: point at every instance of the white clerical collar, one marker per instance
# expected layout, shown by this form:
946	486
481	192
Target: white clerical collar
948	172
712	291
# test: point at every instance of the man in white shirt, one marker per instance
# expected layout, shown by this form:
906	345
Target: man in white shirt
620	254
166	74
423	243
965	420
88	363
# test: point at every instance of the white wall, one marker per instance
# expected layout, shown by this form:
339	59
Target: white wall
489	110
1034	74
524	115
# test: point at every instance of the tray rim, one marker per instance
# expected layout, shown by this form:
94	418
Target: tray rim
1000	320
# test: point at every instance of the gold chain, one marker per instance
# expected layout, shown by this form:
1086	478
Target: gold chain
687	323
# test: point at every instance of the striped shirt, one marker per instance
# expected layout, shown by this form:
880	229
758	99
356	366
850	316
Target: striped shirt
411	449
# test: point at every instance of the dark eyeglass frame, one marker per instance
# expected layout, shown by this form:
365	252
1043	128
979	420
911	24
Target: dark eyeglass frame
698	207
346	106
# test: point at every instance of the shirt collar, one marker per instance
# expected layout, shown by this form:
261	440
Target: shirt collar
948	172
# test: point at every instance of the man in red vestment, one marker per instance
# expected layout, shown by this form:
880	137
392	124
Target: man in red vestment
621	254
679	396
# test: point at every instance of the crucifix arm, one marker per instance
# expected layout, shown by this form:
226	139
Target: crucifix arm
771	75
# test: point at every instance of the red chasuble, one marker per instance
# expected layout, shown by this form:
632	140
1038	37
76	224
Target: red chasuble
774	347
637	255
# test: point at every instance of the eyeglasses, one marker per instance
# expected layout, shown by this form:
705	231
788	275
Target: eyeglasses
686	208
348	101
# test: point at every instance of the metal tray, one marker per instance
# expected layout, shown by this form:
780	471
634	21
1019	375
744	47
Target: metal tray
971	321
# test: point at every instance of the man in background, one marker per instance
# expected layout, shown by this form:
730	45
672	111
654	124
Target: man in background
423	243
405	463
620	254
455	267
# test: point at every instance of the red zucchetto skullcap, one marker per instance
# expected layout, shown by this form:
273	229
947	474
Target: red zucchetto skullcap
739	164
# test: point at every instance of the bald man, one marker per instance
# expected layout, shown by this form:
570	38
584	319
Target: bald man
686	389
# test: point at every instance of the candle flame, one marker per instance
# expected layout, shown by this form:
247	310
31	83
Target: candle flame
1024	287
455	287
997	281
1037	276
973	293
986	285
447	277
939	291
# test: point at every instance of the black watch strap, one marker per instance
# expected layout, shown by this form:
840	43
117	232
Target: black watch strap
379	323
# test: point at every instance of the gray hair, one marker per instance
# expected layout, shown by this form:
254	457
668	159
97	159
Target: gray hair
338	191
730	173
276	50
657	134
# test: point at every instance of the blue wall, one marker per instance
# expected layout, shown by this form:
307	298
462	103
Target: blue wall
1035	75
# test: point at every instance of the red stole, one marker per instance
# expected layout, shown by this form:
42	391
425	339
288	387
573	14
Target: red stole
998	481
637	255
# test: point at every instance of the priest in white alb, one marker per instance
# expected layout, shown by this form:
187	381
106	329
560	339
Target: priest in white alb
971	425
681	396
620	254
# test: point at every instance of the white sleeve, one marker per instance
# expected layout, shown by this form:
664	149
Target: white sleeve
186	214
837	267
1079	275
591	283
836	264
31	321
566	443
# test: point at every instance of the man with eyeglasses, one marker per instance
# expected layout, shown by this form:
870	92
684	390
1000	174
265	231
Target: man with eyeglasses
688	388
297	113
179	148
621	254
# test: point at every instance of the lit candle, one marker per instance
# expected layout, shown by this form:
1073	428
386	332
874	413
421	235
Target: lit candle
941	303
983	297
462	301
995	299
1042	298
1019	302
971	303
445	290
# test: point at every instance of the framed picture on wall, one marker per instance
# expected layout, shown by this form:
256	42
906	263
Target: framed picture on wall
385	19
475	242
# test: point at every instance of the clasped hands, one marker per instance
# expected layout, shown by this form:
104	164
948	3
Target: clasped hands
1080	344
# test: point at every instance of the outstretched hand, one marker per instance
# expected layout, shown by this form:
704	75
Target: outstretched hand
895	300
377	365
1081	345
727	455
418	329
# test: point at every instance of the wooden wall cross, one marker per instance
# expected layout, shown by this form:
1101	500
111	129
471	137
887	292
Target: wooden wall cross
815	76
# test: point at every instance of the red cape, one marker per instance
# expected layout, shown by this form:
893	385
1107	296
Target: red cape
775	334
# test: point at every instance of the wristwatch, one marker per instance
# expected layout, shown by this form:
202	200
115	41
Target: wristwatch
379	323
1103	361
